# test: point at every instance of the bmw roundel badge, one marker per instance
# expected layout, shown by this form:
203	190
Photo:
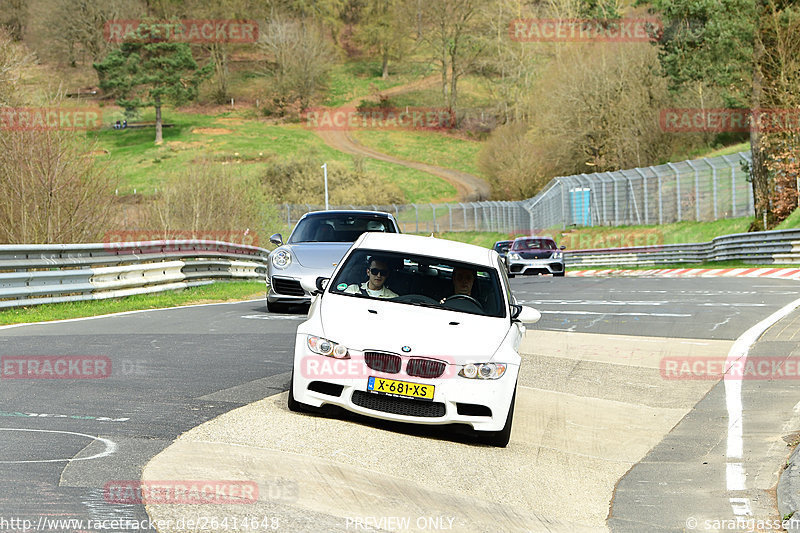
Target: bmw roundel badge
406	349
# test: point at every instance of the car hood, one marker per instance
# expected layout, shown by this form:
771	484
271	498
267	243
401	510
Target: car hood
365	324
322	255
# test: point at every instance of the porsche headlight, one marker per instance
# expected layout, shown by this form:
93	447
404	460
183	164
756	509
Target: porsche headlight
327	348
483	370
557	255
281	259
514	255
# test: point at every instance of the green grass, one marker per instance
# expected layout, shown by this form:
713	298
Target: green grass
427	147
249	144
472	92
675	233
478	238
355	80
792	221
215	292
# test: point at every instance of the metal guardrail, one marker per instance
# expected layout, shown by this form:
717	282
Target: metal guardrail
33	274
762	247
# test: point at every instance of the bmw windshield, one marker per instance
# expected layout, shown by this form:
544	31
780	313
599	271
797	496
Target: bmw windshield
420	280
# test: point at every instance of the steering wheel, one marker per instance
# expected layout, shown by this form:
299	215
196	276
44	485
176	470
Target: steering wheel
466	297
415	299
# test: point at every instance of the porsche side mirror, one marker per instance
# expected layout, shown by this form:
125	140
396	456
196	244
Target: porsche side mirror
321	283
525	314
276	239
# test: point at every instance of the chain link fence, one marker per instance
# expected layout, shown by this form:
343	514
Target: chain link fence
702	189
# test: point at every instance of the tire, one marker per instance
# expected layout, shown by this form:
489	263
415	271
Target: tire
499	439
293	404
510	275
275	307
559	274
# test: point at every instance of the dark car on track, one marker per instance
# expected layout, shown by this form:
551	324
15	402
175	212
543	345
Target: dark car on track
501	247
535	255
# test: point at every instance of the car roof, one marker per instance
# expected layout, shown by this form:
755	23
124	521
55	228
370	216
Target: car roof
345	212
503	242
530	238
428	246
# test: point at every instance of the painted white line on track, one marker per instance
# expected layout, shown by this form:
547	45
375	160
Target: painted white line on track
612	314
275	317
122	313
735	475
110	445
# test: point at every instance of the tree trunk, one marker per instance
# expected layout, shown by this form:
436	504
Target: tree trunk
759	171
385	66
159	138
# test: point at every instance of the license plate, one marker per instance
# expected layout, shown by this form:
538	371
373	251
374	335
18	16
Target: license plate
404	389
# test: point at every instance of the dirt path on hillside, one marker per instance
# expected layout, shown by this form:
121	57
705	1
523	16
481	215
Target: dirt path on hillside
469	188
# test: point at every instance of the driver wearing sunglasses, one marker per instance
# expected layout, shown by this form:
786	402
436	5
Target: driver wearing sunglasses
375	286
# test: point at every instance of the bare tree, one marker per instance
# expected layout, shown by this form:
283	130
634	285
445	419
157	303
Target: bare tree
14	62
301	59
14	17
210	197
77	26
455	38
53	189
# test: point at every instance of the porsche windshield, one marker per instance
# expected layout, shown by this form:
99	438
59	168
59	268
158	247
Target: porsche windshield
419	280
338	227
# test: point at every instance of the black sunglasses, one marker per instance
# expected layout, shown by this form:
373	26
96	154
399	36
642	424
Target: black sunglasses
382	271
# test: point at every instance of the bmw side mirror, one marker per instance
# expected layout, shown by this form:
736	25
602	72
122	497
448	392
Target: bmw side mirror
525	314
276	239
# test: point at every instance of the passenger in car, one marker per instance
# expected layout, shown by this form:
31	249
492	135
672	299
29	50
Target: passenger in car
463	279
375	286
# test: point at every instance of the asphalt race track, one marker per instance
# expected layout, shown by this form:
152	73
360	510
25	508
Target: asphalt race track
607	439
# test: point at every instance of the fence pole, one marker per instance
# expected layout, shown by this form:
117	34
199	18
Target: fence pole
644	186
677	189
696	191
416	216
450	211
713	185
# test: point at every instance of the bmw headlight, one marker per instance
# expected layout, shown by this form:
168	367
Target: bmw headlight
514	255
281	259
327	348
483	370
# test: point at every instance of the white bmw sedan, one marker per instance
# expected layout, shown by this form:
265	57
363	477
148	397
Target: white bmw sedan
414	329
